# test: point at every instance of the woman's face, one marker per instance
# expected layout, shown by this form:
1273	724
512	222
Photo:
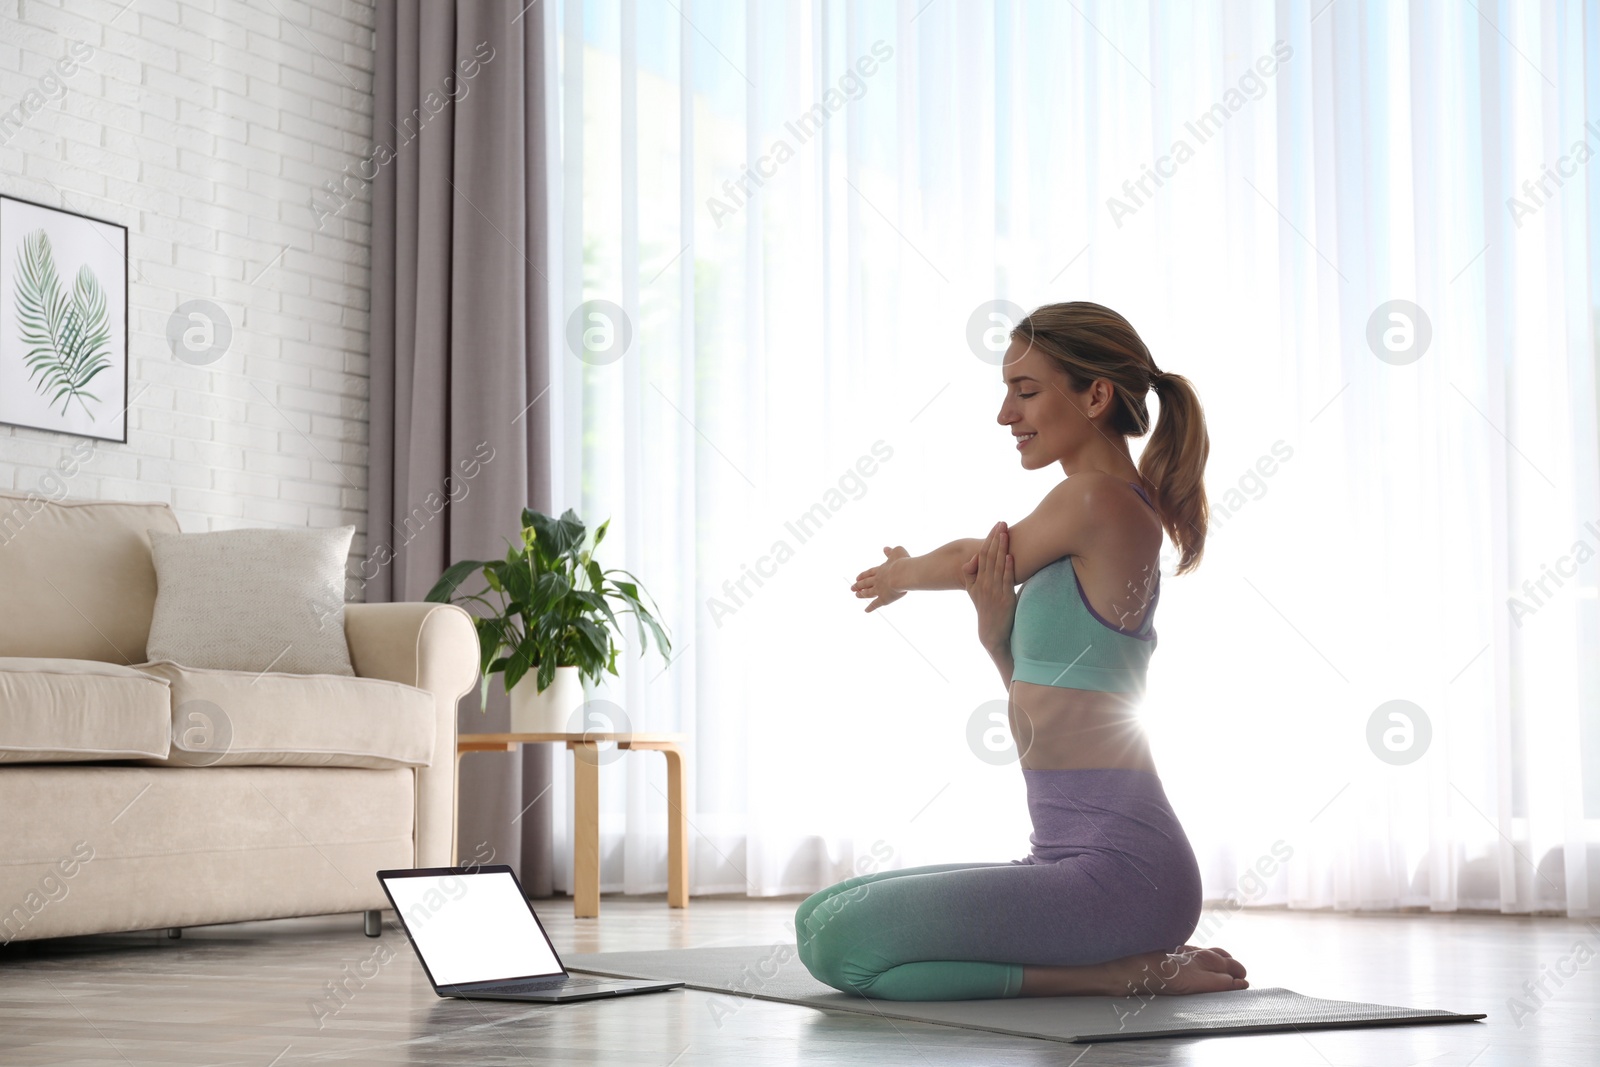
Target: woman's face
1047	419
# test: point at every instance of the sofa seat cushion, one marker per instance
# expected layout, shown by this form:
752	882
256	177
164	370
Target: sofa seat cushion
237	718
67	710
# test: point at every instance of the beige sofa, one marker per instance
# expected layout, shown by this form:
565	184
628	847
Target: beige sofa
139	796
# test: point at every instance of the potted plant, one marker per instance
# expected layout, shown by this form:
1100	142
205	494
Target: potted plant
553	624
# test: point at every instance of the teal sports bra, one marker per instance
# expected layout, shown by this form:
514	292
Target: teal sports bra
1058	639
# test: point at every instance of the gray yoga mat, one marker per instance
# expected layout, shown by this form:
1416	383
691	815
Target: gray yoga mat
774	972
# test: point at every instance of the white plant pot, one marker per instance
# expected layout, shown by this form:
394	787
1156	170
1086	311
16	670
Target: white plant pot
550	711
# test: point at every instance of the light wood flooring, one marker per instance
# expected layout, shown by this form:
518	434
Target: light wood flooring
246	994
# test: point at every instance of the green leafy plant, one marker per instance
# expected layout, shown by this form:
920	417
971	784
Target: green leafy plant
553	605
69	341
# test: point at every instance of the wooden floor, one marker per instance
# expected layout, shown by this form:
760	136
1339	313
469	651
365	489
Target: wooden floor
258	994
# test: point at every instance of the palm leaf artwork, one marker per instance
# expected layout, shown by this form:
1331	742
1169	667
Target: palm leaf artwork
69	340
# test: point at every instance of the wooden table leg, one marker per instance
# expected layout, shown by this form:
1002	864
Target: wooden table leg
677	830
586	829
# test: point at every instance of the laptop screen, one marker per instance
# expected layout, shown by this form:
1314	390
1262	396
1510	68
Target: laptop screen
472	927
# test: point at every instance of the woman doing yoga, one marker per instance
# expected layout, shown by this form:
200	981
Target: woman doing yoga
1110	891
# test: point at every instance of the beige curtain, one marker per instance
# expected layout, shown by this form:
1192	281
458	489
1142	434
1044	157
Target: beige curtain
459	419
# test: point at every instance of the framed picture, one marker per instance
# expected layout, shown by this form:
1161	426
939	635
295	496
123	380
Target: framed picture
63	321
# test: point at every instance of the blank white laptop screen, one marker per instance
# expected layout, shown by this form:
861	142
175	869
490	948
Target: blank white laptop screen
472	927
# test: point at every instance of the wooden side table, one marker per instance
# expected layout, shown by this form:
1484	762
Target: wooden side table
586	804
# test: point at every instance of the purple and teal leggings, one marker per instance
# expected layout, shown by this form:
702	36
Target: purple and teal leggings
1110	874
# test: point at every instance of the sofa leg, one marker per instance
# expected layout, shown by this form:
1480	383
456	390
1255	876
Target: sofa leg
174	932
372	923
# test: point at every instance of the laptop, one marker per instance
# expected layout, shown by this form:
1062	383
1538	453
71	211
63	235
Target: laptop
477	937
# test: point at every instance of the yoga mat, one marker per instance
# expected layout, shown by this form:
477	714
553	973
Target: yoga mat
774	972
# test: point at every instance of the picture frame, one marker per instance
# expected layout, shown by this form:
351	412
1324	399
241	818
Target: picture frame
63	321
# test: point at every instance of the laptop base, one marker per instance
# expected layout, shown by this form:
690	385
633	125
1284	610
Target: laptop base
616	988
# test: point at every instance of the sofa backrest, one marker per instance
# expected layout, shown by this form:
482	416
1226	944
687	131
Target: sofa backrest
77	580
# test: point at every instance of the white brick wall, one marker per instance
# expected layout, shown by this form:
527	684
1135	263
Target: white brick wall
204	126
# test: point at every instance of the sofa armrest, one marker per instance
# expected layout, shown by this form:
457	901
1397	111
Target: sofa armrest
433	647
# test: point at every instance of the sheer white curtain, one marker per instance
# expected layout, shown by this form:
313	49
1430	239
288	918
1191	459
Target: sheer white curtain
804	211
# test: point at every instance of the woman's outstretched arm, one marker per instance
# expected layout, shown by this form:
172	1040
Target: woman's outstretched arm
900	572
1059	526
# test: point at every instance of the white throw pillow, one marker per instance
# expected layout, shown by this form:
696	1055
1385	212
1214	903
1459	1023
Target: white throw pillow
252	600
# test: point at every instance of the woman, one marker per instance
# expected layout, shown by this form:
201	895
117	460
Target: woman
1110	891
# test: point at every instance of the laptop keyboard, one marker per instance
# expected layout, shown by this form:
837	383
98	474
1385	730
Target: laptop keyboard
566	983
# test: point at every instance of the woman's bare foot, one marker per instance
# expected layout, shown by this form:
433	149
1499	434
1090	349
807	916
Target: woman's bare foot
1189	970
